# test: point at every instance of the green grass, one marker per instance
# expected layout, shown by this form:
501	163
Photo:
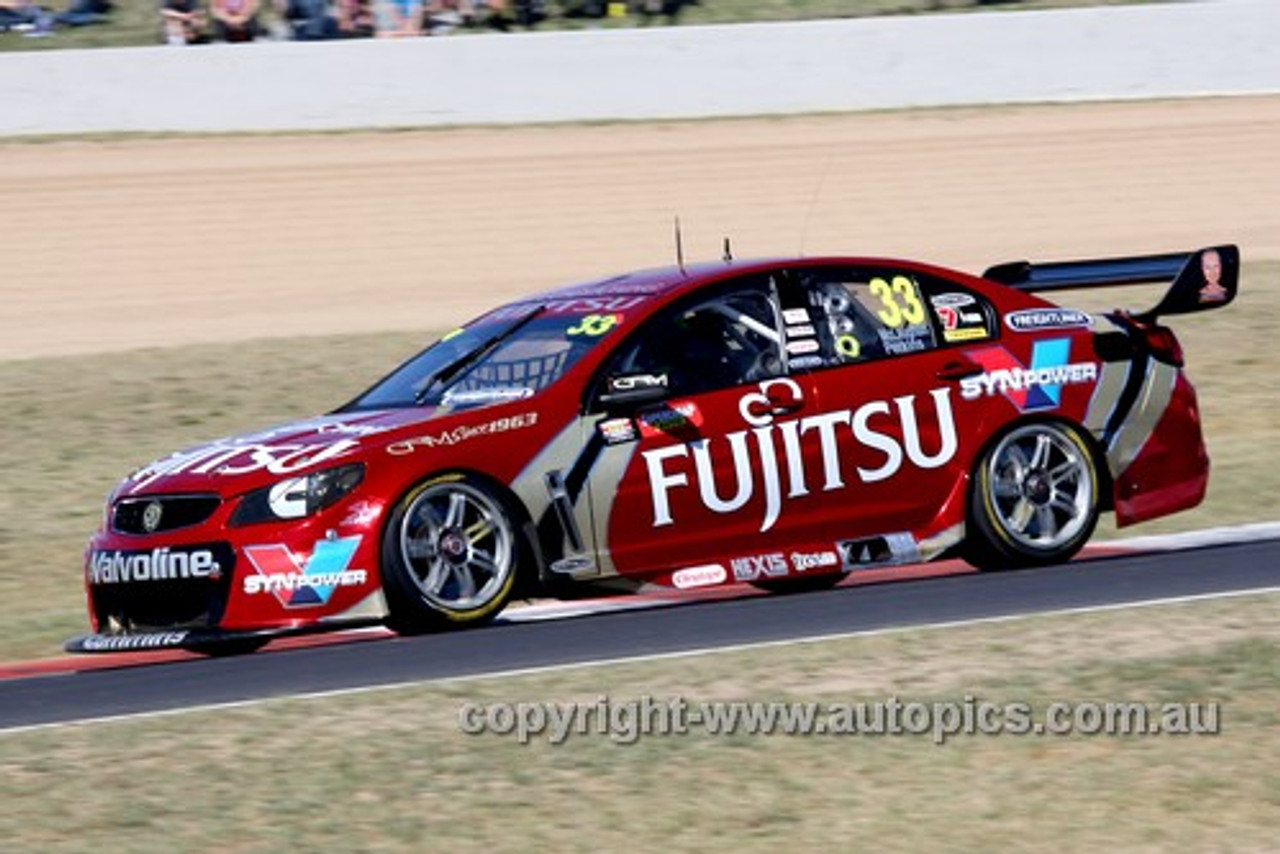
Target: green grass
136	22
76	425
390	772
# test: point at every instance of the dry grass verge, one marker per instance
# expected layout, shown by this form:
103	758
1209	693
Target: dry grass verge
390	772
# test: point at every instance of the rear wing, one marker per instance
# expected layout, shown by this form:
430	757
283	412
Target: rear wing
1201	280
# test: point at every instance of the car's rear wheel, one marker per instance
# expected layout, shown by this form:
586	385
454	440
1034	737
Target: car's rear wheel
450	555
1034	498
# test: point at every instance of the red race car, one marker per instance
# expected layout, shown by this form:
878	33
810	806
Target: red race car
779	422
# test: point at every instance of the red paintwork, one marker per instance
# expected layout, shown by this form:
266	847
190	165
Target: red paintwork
1171	472
843	496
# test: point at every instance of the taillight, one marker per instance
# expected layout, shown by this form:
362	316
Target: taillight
1164	345
1158	340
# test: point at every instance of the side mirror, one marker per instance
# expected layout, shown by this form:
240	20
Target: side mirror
629	392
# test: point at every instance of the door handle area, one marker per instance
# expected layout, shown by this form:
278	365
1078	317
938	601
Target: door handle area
956	371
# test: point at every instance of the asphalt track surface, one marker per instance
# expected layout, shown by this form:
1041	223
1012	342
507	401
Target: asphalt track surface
1087	583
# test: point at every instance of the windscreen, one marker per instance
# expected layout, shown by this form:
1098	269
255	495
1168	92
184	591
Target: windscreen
510	354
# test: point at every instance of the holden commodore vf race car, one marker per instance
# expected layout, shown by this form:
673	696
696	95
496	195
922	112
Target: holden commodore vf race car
781	423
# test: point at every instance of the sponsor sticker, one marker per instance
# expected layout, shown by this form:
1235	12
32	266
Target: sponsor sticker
361	514
803	346
673	418
752	567
304	584
572	305
973	333
804	331
951	300
1036	319
573	564
288	498
454	397
757	407
125	643
631	382
795	315
804	561
1030	388
448	438
615	431
243	457
344	429
954	318
767	459
116	566
699	576
800	363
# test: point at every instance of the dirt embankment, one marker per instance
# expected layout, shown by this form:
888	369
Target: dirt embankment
125	244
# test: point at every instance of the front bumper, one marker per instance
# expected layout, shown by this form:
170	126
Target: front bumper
195	584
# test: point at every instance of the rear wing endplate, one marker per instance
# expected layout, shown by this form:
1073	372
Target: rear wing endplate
1201	280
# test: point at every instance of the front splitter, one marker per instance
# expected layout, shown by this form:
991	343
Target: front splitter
210	641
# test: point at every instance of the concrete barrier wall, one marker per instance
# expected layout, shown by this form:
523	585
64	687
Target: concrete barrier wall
1216	47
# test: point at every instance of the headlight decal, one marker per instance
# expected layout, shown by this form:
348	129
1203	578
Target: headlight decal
298	497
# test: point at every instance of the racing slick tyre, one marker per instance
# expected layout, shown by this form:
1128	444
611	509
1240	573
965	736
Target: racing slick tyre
451	553
1034	499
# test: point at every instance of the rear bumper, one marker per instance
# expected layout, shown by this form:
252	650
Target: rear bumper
1171	471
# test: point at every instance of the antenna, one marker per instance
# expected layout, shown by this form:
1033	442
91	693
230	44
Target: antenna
813	201
728	253
679	246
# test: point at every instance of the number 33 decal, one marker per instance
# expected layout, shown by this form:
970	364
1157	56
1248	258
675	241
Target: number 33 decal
900	301
594	324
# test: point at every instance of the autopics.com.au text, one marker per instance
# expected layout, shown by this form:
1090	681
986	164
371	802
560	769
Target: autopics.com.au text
629	721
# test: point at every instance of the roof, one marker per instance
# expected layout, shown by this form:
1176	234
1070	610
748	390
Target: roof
665	281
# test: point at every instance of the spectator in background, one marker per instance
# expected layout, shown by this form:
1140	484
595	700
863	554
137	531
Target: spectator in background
650	9
235	20
21	14
400	18
529	13
36	20
309	20
82	13
183	22
444	16
355	19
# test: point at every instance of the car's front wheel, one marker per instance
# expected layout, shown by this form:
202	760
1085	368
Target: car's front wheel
1034	499
450	555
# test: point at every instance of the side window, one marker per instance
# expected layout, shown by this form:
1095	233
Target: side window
962	316
871	314
874	313
719	341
